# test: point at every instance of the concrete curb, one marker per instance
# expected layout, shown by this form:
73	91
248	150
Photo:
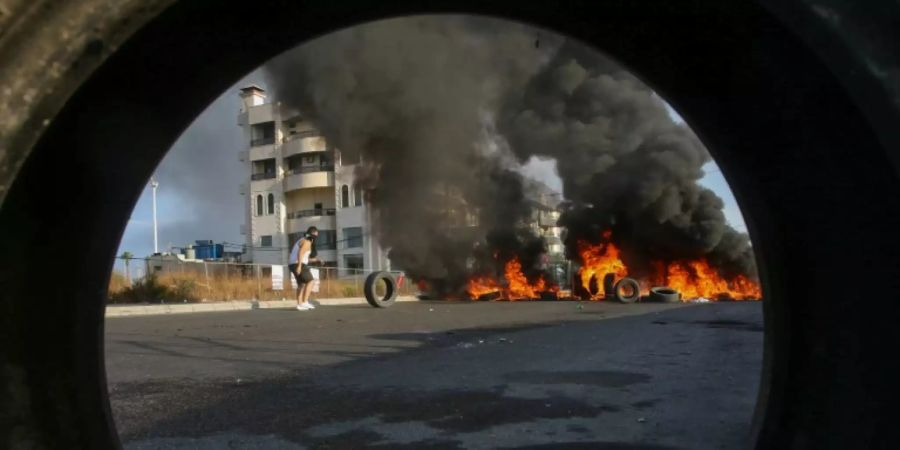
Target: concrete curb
244	305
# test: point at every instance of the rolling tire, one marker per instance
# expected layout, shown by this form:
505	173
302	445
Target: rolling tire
373	298
664	294
635	290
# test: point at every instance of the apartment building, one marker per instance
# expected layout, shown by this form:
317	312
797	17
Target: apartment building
545	217
295	180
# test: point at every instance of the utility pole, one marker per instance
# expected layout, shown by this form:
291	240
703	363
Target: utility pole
154	184
127	257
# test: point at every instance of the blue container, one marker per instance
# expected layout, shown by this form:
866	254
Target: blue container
207	250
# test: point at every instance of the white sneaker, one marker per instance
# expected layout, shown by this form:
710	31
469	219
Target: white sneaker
309	305
302	308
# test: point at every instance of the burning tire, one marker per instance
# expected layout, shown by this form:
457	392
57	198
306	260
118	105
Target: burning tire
664	295
609	284
627	290
390	294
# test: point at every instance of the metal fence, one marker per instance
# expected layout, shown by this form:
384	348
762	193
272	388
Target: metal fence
156	280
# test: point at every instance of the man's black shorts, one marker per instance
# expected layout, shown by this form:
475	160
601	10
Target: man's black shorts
305	276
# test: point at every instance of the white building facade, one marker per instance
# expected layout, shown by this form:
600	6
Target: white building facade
294	180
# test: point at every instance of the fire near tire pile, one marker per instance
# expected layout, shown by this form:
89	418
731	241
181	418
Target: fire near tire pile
603	274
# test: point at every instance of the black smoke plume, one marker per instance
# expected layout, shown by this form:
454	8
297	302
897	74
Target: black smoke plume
441	107
413	98
626	165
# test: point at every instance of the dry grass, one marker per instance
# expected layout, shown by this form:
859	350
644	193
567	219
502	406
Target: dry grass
192	287
117	283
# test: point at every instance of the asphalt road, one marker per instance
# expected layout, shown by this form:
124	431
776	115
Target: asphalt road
439	375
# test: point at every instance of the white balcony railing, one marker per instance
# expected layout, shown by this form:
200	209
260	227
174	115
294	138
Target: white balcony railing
311	213
303	180
301	143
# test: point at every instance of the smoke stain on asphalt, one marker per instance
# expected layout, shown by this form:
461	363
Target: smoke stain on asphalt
645	403
605	378
732	324
453	411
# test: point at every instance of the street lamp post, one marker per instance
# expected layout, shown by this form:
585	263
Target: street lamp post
154	184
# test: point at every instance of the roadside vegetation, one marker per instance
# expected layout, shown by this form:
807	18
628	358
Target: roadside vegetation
193	288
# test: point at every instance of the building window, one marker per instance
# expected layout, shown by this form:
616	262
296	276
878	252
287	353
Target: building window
327	240
354	262
357	195
345	196
259	205
294	164
263	169
271	204
265	241
353	237
262	134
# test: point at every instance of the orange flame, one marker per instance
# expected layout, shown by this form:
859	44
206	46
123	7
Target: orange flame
517	285
597	261
693	278
476	287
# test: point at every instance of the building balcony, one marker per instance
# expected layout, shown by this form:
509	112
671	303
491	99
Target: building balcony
260	114
348	245
261	152
262	176
309	177
300	224
304	142
258	142
311	213
312	169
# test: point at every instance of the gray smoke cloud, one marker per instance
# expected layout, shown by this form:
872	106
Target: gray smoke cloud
442	110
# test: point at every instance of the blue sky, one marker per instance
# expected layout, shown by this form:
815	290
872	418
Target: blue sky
198	179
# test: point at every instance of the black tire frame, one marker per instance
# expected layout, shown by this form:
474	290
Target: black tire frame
791	102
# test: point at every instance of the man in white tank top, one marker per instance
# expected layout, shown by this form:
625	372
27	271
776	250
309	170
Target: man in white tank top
302	253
